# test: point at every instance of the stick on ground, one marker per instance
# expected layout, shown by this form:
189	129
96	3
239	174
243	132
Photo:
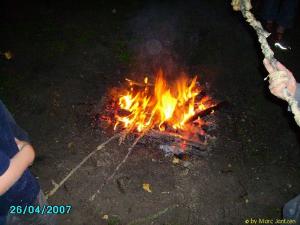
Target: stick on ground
130	149
101	146
152	217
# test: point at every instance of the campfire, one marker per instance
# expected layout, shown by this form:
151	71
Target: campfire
175	115
175	112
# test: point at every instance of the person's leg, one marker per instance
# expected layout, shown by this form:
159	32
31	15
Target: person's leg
36	218
2	220
17	131
46	219
270	10
13	220
291	210
269	13
286	15
284	20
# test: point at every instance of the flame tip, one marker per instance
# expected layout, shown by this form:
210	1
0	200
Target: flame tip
167	107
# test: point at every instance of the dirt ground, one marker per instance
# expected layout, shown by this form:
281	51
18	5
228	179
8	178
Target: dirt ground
67	55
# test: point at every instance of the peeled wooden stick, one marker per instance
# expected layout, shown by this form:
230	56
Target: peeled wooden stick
204	112
101	146
132	82
118	167
244	6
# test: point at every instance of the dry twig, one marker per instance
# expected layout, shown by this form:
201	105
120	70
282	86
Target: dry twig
153	217
101	146
130	149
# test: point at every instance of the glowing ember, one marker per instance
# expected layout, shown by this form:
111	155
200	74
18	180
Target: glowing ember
160	105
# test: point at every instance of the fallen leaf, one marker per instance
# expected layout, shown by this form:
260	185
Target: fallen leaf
105	217
70	144
8	55
146	187
175	160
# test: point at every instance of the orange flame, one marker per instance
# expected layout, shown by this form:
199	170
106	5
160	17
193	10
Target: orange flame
166	107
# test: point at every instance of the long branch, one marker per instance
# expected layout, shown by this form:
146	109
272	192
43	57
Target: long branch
101	146
268	53
130	149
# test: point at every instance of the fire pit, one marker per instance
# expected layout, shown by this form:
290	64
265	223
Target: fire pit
175	115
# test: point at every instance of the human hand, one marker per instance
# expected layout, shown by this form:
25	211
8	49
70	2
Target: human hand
18	164
21	144
24	146
277	83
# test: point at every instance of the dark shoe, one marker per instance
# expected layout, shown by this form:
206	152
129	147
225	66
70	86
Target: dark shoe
291	210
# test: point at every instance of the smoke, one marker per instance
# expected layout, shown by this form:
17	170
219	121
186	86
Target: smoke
154	33
177	36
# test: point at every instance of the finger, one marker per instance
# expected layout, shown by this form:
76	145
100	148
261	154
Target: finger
276	94
280	66
290	75
268	66
279	81
278	91
283	68
279	77
278	85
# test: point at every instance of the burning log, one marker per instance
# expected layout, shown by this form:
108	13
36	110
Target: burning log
168	137
205	112
180	144
169	114
139	112
134	83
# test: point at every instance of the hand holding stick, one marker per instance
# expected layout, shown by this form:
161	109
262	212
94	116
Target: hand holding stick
244	6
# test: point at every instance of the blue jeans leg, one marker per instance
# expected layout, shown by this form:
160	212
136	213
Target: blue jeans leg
291	210
33	219
2	220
